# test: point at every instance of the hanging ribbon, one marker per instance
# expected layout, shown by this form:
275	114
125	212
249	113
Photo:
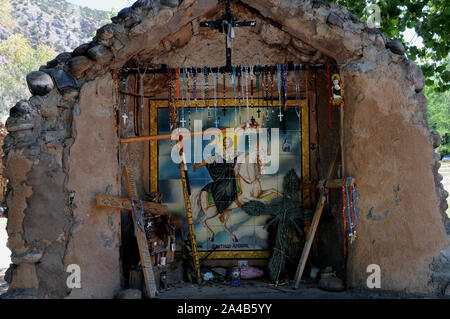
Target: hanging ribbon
298	108
195	91
172	114
139	223
215	75
350	210
182	121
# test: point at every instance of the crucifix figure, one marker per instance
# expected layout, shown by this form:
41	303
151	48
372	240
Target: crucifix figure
226	25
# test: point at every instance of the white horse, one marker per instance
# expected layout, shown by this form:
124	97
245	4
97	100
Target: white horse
248	172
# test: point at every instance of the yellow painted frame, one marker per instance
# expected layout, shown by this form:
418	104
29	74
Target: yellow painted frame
156	104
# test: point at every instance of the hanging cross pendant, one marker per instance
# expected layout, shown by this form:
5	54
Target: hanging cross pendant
259	113
125	117
281	116
183	122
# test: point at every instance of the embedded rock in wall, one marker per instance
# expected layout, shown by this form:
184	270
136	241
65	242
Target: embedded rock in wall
39	83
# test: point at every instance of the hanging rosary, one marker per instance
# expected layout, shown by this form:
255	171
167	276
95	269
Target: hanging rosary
141	80
298	108
280	115
208	110
195	92
171	104
124	102
182	121
251	91
246	94
258	91
188	95
215	75
224	94
242	85
285	89
350	210
235	94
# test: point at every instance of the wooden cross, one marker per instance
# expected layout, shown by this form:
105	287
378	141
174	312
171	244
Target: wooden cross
226	25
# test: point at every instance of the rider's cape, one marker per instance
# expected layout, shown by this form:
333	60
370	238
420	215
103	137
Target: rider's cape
223	187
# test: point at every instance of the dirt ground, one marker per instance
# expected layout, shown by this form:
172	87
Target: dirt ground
261	289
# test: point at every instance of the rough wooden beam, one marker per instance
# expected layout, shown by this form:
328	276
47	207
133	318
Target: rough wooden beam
125	203
146	260
315	221
331	183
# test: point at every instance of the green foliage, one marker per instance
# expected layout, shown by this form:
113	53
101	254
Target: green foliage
21	60
5	13
438	115
431	21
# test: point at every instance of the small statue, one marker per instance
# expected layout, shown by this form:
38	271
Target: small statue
163	285
236	277
336	89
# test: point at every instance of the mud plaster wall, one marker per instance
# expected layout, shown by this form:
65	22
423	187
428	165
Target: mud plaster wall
388	149
383	135
93	166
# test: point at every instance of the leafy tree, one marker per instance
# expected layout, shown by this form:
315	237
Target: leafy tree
438	114
5	13
431	21
21	59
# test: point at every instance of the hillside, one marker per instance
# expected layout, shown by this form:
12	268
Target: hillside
57	23
33	32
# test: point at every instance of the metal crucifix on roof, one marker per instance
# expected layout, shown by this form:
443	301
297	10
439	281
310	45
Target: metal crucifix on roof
226	25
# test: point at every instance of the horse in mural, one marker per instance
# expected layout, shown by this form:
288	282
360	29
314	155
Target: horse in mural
248	171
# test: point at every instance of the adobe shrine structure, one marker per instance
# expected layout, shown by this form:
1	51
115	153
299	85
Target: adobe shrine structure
64	145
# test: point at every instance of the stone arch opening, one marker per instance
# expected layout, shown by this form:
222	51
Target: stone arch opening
66	138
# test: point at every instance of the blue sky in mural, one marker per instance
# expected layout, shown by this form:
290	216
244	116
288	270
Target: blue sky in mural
105	5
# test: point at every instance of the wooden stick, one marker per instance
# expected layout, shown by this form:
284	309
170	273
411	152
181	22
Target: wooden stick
331	183
141	238
315	221
137	94
309	241
125	203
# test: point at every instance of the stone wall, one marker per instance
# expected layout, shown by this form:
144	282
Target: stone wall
62	147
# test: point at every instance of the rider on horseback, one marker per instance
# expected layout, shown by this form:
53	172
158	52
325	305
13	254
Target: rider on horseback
223	188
